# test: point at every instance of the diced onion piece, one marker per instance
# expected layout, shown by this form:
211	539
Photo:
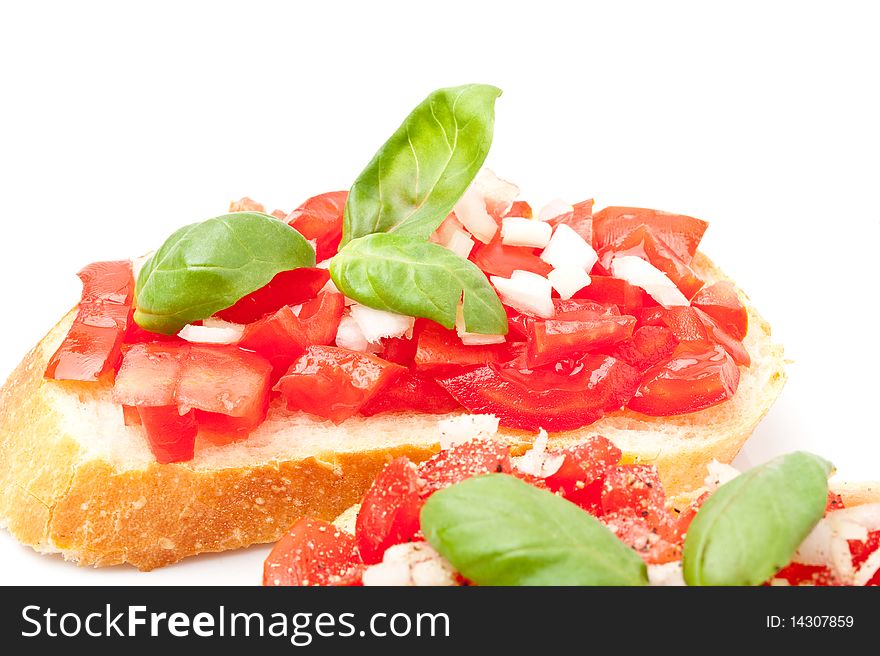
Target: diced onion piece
411	564
719	474
460	243
554	208
568	249
471	212
526	291
667	574
350	336
226	334
138	263
568	280
816	548
828	542
498	194
444	231
324	264
376	324
536	461
462	428
642	273
519	231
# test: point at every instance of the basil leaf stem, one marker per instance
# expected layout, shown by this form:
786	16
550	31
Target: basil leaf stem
751	526
498	530
419	279
416	178
206	267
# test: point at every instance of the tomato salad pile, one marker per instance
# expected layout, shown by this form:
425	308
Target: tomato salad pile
606	346
628	499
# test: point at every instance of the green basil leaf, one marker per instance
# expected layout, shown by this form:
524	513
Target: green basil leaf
497	530
416	178
206	267
751	527
418	279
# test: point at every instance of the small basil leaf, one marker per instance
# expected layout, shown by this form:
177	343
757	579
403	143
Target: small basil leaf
751	527
497	530
206	267
416	178
418	279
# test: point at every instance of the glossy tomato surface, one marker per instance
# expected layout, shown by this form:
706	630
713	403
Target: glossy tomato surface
287	288
335	383
171	435
721	301
440	351
462	461
320	218
413	392
92	346
497	259
682	234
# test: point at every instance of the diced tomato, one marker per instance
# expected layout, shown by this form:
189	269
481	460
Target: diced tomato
582	473
573	309
721	302
798	574
313	552
446	229
389	513
543	398
280	338
733	346
835	502
462	461
642	243
134	334
520	208
440	351
697	376
580	220
246	204
648	346
412	392
608	290
320	318
221	429
681	233
636	488
861	551
150	374
130	415
320	218
92	345
287	288
224	379
683	523
689	324
402	350
172	436
556	339
335	383
498	259
651	545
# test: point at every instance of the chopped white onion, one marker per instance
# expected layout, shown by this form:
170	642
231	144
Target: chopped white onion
376	324
667	574
138	263
568	249
568	280
460	243
444	231
349	335
719	474
498	194
828	542
463	428
556	207
526	292
471	212
519	231
641	273
411	564
228	333
536	461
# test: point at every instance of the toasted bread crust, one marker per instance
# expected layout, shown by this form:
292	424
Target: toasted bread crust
57	496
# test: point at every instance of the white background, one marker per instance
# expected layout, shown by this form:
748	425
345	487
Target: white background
119	124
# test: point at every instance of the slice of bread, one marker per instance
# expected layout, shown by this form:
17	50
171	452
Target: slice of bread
75	480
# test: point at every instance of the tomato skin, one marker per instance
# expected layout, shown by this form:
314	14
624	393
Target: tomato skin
697	376
498	259
682	234
733	346
224	379
536	399
636	488
798	574
608	290
439	351
222	429
389	513
335	383
149	375
721	302
553	339
582	474
287	288
462	461
580	220
171	436
320	318
313	552
690	324
648	346
653	546
412	392
320	218
92	347
279	337
520	208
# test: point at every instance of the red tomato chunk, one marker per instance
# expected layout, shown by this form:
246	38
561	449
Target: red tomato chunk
286	288
320	218
313	552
